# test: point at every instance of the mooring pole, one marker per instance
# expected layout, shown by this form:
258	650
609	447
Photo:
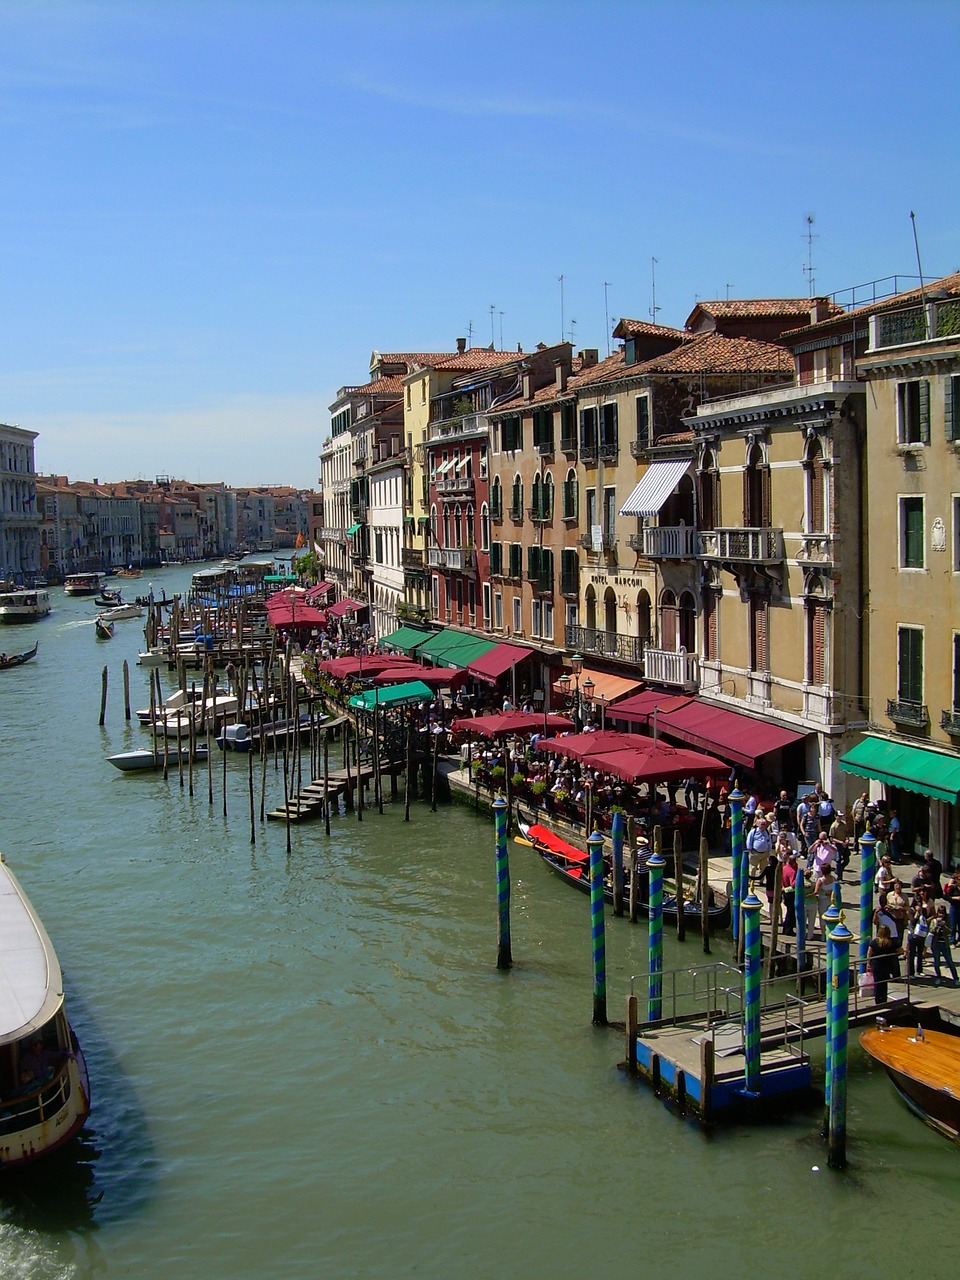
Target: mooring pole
617	835
655	865
736	850
504	955
868	870
126	689
837	1029
597	933
831	918
751	993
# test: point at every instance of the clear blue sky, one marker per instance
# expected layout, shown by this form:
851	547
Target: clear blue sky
212	213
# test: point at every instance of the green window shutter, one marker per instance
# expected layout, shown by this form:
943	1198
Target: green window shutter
910	665
924	412
951	401
913	533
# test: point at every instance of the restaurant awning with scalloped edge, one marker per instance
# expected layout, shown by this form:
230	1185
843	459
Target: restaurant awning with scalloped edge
496	662
738	738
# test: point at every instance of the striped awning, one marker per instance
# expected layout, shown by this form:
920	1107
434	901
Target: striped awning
659	481
444	467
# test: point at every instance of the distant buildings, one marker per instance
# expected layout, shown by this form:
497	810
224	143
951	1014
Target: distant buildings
19	521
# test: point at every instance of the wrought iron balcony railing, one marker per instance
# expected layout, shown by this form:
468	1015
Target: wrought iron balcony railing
753	546
914	715
950	722
608	643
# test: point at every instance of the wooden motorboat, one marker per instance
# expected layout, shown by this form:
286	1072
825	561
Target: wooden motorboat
17	659
44	1087
571	864
925	1070
130	572
24	605
104	629
143	759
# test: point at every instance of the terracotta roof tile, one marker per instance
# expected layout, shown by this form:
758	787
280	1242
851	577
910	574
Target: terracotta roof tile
642	329
475	360
382	387
759	308
712	353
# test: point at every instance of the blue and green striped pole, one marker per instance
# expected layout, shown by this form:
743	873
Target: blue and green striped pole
595	845
618	831
504	955
655	865
840	940
751	993
800	908
736	849
868	871
831	918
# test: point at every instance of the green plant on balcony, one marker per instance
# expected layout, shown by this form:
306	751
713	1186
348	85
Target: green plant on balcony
497	776
518	782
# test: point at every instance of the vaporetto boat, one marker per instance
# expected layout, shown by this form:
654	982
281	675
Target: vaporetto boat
24	605
44	1087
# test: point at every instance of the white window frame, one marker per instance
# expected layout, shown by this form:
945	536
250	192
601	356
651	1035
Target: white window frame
487	595
903	498
517	615
498	611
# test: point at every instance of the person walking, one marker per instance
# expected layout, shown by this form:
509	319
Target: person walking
939	940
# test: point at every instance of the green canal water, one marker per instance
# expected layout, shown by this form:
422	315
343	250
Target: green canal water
308	1065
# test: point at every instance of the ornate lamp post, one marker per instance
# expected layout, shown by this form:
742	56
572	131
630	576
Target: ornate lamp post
576	663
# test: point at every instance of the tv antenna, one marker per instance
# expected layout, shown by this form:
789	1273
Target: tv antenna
470	334
653	290
808	266
493	336
501	330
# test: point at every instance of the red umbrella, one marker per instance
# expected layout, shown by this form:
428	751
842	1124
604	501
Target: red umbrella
289	613
435	677
499	726
370	664
655	763
579	745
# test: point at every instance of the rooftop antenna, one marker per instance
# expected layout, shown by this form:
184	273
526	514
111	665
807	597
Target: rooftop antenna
501	330
470	334
573	332
493	336
923	297
653	290
606	313
562	327
808	268
727	287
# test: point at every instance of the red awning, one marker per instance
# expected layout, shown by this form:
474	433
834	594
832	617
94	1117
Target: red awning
738	738
579	745
345	606
319	592
370	664
497	662
289	613
500	726
435	677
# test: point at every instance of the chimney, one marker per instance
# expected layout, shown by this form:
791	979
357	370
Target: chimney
589	357
820	310
561	375
461	346
527	385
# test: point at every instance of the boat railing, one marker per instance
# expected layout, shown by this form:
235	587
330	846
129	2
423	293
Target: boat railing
34	1108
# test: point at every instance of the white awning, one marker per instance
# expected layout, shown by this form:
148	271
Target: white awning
659	481
443	468
462	464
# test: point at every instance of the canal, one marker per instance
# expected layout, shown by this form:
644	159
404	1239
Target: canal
308	1064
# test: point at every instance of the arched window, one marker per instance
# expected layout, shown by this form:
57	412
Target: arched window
817	608
516	500
756	490
446	527
536	498
548	496
457	527
484	528
571	496
610	610
687	619
668	622
434	526
643	614
709	478
590	600
496	500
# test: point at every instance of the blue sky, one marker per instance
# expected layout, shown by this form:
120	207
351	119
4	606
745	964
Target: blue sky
212	213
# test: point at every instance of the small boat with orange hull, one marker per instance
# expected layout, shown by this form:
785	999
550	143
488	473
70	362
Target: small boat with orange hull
925	1069
571	864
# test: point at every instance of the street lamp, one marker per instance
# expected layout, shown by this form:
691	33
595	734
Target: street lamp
576	662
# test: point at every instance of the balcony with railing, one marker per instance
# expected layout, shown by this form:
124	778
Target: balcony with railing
541	583
411	558
568	444
950	722
570	584
667	542
455	485
609	451
607	541
930	322
676	668
539	513
912	715
752	546
639	448
435	557
588	454
460	559
516	514
458	426
611	644
544	448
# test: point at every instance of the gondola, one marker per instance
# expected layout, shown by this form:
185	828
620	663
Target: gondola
17	659
104	629
571	865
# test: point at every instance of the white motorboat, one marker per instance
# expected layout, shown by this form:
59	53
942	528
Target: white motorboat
155	657
144	759
26	604
44	1086
176	702
121	612
212	713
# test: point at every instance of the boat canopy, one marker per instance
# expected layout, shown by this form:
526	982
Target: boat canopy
31	986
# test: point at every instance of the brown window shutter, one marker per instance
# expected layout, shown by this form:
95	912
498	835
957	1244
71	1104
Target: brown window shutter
766	518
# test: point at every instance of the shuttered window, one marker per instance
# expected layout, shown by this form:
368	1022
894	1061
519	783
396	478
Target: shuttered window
816	642
910	664
913	412
711	609
759	645
951	408
496	558
911	533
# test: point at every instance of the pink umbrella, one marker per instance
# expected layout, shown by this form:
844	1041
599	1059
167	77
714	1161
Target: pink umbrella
499	726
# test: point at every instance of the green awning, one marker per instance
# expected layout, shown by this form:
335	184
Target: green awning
395	695
354	528
898	764
439	643
473	647
284	579
405	639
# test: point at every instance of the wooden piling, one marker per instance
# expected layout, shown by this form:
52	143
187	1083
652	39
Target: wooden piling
126	689
632	1026
103	696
